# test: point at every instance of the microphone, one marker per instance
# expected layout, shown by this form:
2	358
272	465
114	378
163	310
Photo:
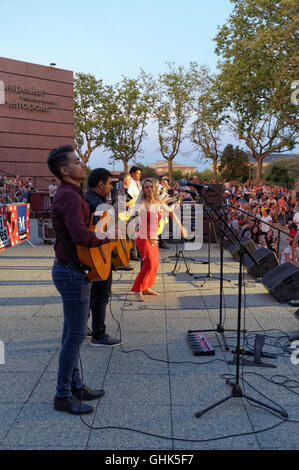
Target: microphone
197	186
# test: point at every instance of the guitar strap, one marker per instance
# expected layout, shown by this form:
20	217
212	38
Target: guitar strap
85	269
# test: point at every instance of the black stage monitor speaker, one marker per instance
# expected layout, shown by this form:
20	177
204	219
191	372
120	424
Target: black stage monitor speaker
227	242
266	261
234	249
283	282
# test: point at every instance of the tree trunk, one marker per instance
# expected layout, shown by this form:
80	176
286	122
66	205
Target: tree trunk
259	169
170	169
215	172
125	162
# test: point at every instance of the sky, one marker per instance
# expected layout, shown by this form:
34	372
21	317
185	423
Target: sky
113	38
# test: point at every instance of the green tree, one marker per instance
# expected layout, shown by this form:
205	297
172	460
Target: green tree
177	175
205	175
291	164
259	49
207	127
259	64
130	103
279	175
147	171
234	163
89	114
174	99
264	135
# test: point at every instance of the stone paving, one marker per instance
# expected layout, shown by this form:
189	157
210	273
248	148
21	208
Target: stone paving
154	384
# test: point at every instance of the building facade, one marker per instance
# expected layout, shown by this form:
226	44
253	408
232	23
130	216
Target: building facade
36	115
161	167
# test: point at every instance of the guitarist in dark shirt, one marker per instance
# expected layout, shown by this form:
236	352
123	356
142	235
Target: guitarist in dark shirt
100	185
70	215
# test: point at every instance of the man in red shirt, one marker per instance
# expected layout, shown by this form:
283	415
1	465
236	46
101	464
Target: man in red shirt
70	215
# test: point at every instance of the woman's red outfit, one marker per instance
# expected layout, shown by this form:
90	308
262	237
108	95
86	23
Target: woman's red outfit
147	244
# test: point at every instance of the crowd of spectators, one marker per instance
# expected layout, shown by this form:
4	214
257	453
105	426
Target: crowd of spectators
14	189
274	205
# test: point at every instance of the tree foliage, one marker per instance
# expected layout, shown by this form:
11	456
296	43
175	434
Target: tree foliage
207	127
174	98
234	163
279	175
291	164
90	114
259	51
147	171
264	135
259	64
130	104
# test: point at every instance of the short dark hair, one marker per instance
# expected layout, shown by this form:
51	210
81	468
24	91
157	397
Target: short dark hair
99	174
58	158
292	225
123	175
134	168
163	178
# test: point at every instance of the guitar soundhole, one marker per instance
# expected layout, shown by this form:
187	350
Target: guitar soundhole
103	254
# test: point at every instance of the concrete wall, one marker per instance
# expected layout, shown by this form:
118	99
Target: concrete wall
37	116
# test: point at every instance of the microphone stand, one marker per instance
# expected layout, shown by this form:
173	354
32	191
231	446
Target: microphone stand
236	387
220	327
179	254
209	275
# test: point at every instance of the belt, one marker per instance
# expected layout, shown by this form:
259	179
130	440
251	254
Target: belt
63	263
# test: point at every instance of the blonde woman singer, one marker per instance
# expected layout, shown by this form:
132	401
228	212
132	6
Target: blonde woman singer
150	210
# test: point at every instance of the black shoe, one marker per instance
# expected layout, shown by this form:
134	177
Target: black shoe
86	394
105	341
164	246
134	258
126	268
72	405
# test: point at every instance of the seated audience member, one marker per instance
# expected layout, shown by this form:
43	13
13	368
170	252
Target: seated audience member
268	219
246	229
296	215
269	241
255	235
295	250
287	252
234	224
293	229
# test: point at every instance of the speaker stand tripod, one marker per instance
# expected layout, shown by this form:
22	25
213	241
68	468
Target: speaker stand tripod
236	389
209	275
219	218
179	255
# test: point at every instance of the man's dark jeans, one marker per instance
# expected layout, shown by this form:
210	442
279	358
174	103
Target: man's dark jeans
100	295
74	289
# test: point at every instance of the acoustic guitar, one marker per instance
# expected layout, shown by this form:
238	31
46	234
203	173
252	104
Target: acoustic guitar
99	259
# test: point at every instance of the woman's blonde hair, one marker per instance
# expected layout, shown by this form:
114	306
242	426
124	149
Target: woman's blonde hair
155	183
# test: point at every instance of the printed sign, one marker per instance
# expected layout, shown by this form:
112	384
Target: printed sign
14	224
22	221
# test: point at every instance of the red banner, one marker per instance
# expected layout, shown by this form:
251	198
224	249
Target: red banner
14	224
